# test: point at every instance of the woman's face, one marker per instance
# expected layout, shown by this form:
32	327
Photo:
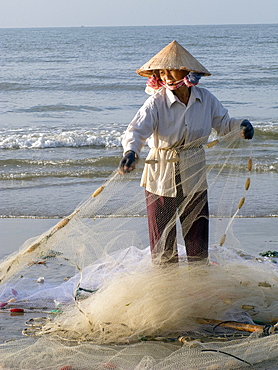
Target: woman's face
170	76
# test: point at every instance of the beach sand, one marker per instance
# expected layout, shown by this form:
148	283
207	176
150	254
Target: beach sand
255	235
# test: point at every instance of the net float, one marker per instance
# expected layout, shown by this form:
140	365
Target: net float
212	143
247	183
249	164
172	160
63	223
241	202
98	191
222	240
151	161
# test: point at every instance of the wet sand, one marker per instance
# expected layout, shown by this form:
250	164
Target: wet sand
255	235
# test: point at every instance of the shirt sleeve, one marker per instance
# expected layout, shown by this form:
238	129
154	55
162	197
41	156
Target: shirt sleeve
221	121
140	128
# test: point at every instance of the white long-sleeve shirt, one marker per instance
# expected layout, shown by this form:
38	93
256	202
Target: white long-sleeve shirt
168	123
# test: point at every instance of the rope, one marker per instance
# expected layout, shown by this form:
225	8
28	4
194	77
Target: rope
227	354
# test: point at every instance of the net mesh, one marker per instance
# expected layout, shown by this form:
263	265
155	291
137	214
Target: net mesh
104	302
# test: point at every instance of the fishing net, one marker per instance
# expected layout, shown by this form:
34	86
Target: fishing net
99	299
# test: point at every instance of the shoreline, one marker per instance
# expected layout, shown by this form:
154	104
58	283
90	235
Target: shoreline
254	235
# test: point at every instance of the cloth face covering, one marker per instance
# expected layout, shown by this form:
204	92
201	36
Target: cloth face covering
192	79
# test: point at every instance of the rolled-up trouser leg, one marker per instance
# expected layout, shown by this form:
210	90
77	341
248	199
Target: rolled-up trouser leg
162	228
195	227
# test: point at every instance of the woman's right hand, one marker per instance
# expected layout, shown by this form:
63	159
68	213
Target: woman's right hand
128	162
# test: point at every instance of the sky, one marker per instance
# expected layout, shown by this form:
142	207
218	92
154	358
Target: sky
76	13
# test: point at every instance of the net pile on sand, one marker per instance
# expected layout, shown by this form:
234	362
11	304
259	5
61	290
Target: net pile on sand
103	302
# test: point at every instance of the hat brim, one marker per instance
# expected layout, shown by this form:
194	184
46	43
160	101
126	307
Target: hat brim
172	57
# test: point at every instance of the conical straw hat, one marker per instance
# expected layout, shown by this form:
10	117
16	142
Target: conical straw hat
173	56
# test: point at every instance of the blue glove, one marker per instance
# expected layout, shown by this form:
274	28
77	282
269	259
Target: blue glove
247	130
128	162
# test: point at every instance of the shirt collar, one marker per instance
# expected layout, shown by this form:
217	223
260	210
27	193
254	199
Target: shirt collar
195	92
172	98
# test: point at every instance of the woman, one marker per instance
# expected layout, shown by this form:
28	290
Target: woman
176	120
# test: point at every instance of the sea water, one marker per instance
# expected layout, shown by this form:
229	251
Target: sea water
67	95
